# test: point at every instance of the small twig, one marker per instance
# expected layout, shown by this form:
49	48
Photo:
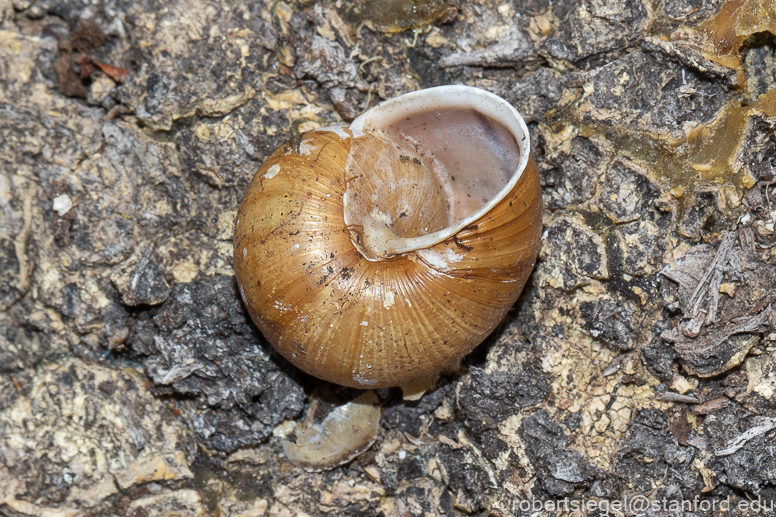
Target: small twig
711	406
746	237
749	323
373	58
670	396
369	95
140	267
709	284
735	445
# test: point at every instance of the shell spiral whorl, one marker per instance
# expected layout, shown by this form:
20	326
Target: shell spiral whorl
378	253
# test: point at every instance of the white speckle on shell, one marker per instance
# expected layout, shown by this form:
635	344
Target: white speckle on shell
245	252
282	307
295	246
306	147
339	130
390	299
364	323
273	171
440	259
363	381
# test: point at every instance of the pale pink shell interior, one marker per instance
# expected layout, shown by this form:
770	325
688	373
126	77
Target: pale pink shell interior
477	142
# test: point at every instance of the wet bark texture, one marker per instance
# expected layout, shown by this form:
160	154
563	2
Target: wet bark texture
641	359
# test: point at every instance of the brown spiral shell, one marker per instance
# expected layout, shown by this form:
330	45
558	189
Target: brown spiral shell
382	318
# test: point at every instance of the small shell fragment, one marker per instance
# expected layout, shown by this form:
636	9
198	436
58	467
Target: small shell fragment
62	204
414	390
345	433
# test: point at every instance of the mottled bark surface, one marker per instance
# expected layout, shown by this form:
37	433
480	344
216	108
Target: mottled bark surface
640	361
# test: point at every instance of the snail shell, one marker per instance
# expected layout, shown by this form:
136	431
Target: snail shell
373	254
345	433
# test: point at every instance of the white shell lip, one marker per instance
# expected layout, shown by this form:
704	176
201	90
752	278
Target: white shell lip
452	97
